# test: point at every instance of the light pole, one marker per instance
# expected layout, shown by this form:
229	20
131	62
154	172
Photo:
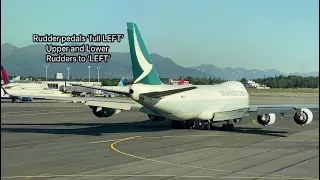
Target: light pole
68	68
89	72
46	66
98	68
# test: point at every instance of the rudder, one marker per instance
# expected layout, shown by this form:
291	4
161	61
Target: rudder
4	75
142	67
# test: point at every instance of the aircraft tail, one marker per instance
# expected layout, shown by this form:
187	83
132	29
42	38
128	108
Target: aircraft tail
181	82
143	70
4	75
121	83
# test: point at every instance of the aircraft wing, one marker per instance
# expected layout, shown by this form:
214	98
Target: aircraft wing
123	90
10	85
283	109
116	103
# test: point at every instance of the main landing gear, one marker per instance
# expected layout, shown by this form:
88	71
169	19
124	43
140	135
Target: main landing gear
227	127
203	125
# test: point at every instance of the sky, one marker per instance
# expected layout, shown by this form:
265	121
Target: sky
254	34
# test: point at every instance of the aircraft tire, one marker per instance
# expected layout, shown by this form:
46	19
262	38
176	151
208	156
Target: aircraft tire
227	127
209	126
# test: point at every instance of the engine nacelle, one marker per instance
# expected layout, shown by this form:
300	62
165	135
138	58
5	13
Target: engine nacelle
104	112
304	117
266	119
26	99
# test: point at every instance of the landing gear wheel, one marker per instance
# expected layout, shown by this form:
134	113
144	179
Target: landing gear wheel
209	126
187	124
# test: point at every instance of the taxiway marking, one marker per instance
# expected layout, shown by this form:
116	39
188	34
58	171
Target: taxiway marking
33	114
112	146
157	137
96	142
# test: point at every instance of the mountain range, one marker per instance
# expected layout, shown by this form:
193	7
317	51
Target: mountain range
30	61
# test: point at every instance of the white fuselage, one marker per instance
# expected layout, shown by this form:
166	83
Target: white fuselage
25	86
217	102
33	92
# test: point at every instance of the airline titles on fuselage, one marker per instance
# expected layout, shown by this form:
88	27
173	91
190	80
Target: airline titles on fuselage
47	92
233	93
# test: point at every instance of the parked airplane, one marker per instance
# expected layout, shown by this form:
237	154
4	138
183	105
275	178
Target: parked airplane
4	75
8	84
189	105
28	94
25	92
181	82
120	84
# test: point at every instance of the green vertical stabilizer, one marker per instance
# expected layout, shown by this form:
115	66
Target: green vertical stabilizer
142	67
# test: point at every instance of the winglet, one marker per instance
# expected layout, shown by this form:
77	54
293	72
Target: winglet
4	91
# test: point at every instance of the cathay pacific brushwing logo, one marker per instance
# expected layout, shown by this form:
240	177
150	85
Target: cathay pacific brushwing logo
144	64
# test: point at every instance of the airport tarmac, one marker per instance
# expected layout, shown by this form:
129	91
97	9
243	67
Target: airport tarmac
66	141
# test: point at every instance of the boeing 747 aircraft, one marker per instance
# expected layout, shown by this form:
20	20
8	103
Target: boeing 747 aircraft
188	105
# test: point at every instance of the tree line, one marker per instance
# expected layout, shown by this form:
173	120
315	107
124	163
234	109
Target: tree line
289	81
281	81
272	82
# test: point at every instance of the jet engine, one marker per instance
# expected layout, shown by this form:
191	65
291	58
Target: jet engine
304	117
266	119
26	99
104	112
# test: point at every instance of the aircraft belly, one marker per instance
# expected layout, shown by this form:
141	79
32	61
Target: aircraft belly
174	110
227	115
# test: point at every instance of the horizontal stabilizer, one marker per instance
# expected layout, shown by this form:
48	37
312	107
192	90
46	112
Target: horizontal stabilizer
103	89
167	93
